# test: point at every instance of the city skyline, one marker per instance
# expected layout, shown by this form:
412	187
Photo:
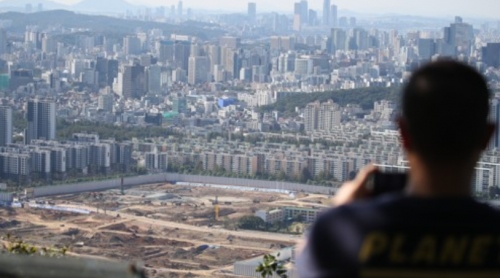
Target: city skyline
116	114
478	9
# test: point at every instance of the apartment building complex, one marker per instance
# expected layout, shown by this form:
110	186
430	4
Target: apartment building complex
48	160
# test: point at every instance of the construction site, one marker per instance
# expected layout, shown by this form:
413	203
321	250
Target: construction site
173	230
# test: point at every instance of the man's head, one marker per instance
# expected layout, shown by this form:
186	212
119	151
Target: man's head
445	113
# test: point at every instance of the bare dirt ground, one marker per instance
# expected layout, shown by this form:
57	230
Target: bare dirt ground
171	229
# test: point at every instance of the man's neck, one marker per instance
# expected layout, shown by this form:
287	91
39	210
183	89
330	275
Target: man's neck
439	180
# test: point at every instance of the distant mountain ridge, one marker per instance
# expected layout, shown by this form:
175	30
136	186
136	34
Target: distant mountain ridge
101	24
105	6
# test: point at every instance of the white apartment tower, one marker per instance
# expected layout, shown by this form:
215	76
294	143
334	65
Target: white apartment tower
322	116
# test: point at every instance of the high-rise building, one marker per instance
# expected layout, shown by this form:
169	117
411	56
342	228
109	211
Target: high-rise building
198	70
460	37
286	62
326	13
214	55
3	41
246	74
297	8
491	54
179	75
41	117
252	12
230	42
131	45
123	153
359	39
58	161
40	163
303	66
106	102
100	157
20	77
426	48
231	62
107	70
179	8
156	161
343	22
165	51
182	51
153	74
494	117
49	44
282	43
297	22
133	81
339	38
311	117
195	50
304	11
15	166
352	22
143	41
313	18
333	16
179	104
5	125
322	116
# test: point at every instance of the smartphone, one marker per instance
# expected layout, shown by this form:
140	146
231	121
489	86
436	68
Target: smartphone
380	183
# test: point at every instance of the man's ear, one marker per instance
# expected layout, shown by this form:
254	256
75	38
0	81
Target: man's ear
405	134
490	131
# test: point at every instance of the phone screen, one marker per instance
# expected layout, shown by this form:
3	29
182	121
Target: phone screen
382	183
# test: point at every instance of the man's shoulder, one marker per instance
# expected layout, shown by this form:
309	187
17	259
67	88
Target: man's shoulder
400	231
393	207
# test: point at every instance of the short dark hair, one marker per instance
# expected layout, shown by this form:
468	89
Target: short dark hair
446	105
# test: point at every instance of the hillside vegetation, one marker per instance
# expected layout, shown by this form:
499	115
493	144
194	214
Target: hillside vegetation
101	24
365	97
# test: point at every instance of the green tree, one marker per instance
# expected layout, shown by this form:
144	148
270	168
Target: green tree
305	175
18	139
281	176
19	121
251	222
19	247
365	97
199	167
278	225
270	266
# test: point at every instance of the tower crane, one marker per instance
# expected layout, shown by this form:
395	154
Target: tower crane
216	208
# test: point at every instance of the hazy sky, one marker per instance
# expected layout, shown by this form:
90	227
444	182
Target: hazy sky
475	8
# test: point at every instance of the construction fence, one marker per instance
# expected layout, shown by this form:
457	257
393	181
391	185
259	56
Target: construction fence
174	177
6	197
